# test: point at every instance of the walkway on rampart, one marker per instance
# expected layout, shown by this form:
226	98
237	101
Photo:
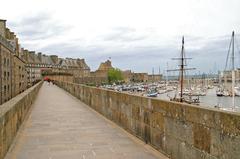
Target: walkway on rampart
62	127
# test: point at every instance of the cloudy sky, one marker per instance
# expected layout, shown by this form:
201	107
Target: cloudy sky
136	34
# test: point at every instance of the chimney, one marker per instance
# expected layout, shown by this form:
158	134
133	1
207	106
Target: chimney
2	27
54	58
17	45
11	35
26	55
32	54
7	33
40	56
20	51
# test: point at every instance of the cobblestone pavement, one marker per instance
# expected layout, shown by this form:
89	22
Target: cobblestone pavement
62	127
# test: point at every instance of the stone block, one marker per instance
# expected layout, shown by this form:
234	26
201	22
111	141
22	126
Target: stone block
136	100
146	133
230	123
159	106
202	137
172	146
157	121
126	109
146	103
146	114
135	112
203	116
187	151
157	139
170	109
180	130
125	121
136	128
224	146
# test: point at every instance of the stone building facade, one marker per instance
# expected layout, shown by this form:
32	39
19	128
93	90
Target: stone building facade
12	67
19	76
103	69
38	63
97	77
127	76
154	78
6	72
227	76
77	67
139	77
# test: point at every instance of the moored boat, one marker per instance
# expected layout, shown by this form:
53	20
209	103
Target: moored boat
152	93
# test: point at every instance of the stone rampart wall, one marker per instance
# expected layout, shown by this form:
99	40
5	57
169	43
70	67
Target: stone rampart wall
180	131
12	114
91	80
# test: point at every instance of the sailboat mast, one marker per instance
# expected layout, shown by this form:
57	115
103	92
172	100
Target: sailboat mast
167	76
152	74
233	51
233	73
181	71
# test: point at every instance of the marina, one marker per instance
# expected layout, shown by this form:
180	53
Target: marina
219	93
210	99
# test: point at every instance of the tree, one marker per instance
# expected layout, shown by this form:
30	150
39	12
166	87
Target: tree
114	75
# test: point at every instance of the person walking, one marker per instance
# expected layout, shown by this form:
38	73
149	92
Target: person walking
49	80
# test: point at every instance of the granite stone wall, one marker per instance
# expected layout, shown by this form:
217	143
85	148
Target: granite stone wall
180	131
12	114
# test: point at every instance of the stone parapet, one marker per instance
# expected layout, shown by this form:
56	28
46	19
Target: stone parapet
12	114
181	131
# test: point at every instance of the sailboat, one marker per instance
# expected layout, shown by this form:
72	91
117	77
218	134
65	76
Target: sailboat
152	92
234	91
237	91
181	70
221	89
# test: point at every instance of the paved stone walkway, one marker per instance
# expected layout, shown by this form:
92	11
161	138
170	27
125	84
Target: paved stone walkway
62	127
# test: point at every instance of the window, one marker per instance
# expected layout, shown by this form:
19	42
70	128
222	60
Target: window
8	62
5	89
8	75
5	74
4	61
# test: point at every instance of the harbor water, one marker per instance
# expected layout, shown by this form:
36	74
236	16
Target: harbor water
210	100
